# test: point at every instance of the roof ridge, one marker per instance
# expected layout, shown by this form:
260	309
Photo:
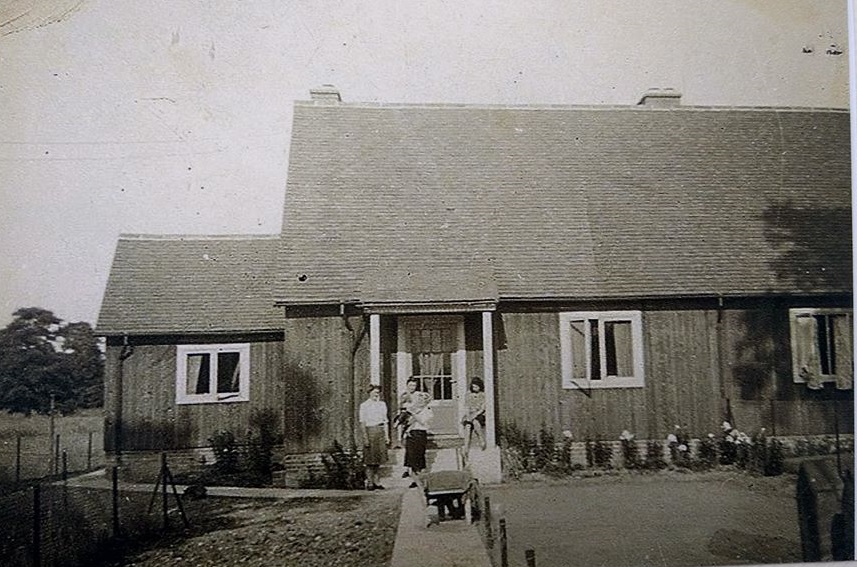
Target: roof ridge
131	236
632	107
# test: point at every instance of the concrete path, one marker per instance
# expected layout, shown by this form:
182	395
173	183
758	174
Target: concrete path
453	543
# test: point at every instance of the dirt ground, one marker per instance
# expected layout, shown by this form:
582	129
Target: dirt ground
669	519
357	531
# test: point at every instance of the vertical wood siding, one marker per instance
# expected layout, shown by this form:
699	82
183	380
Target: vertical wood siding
684	383
759	385
151	419
317	355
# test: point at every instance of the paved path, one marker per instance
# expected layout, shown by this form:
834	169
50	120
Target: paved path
453	543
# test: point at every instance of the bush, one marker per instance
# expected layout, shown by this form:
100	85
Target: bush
655	456
679	446
630	452
262	436
344	471
599	454
775	459
225	452
708	455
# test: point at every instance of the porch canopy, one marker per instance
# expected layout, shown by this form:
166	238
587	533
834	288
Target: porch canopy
430	289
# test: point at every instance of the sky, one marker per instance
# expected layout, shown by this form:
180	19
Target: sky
174	116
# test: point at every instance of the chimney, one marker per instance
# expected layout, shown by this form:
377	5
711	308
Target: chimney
660	98
326	94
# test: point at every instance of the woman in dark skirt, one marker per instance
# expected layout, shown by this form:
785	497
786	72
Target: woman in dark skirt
376	436
417	434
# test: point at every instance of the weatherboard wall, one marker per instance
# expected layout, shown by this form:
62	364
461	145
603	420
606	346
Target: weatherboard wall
151	419
702	365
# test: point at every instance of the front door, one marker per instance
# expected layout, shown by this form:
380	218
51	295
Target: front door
431	349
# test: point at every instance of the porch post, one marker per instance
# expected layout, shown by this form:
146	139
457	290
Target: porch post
375	349
488	376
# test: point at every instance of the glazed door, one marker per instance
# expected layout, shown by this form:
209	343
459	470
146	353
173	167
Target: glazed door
432	350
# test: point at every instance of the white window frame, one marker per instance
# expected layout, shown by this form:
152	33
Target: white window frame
243	394
638	380
794	313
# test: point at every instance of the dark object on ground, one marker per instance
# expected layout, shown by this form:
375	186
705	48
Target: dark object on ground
195	492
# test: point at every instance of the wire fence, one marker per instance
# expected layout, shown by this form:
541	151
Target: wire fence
26	457
64	524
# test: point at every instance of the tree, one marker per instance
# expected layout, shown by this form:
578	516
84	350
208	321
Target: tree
41	355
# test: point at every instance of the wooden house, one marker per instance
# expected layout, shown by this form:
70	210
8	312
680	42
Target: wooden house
600	268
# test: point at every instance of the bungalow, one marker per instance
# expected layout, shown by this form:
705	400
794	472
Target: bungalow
600	268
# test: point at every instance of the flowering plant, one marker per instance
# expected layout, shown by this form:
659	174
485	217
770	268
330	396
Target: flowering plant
708	451
734	445
679	447
630	451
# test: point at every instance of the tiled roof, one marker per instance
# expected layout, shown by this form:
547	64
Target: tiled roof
564	202
191	284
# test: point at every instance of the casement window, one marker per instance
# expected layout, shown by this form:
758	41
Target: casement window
602	349
822	347
213	373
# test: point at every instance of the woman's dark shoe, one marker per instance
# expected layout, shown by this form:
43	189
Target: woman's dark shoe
377	487
413	485
406	474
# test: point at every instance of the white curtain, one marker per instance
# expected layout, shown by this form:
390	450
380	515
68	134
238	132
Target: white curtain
806	346
196	383
842	333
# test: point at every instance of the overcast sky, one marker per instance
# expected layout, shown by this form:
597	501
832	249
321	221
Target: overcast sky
174	116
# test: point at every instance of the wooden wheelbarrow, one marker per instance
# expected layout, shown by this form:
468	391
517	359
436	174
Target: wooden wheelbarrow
450	495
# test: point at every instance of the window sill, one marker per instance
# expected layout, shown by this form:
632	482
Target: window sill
609	384
201	400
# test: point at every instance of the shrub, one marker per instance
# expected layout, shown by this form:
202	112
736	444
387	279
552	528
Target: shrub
775	459
655	456
630	451
262	437
545	449
343	470
599	454
679	446
225	452
521	448
708	455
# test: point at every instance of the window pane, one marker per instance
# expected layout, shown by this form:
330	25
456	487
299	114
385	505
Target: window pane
578	350
619	350
595	355
197	374
228	372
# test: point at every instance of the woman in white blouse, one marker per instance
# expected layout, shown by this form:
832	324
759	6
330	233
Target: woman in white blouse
376	435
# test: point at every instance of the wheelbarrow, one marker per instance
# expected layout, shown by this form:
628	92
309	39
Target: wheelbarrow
452	495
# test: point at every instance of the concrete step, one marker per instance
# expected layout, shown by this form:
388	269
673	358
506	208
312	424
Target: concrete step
436	459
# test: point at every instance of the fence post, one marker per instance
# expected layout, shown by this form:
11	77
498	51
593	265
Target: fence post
164	490
18	459
489	534
504	552
530	554
64	465
115	501
37	525
56	454
89	453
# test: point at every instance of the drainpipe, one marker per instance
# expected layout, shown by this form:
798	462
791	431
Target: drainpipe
127	351
356	339
726	404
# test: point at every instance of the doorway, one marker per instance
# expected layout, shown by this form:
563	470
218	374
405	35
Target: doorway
431	349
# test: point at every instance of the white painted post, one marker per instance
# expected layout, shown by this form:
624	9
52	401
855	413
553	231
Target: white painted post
488	376
375	349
